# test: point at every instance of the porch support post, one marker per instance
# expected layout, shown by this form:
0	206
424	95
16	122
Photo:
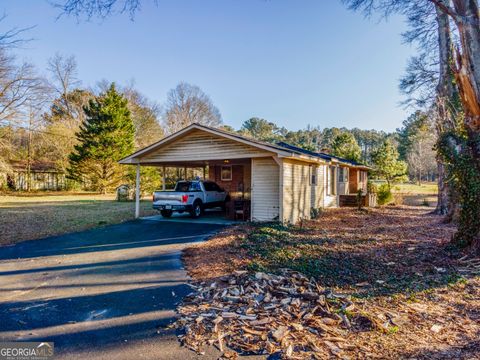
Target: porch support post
185	172
204	172
137	193
164	179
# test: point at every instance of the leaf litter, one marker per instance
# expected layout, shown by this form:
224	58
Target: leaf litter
426	304
261	313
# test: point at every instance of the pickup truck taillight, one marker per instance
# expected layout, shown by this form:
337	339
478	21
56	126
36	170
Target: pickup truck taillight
184	198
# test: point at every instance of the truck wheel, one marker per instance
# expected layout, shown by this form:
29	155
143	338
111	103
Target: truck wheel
166	213
196	210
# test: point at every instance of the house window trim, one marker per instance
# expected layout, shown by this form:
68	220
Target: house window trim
332	183
221	173
345	174
313	175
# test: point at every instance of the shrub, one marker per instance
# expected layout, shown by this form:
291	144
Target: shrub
384	194
315	213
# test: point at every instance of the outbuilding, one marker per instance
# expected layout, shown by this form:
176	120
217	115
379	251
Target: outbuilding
283	182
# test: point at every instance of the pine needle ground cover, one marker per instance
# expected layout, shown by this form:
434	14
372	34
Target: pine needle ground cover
395	264
34	216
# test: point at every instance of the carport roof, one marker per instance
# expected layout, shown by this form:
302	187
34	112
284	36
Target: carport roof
281	149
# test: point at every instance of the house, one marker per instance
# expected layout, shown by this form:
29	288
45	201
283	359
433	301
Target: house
43	175
283	182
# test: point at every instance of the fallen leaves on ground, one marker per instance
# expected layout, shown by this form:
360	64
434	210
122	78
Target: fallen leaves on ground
261	313
418	298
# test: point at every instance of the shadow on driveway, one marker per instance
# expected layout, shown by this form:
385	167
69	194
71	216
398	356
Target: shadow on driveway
99	294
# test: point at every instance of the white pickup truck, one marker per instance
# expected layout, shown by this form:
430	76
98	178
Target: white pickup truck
192	196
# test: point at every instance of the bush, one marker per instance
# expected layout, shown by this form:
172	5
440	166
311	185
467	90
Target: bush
315	213
384	194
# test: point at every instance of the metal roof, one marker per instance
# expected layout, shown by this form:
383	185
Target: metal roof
320	155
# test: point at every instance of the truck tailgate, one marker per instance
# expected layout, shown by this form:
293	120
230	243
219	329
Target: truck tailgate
168	196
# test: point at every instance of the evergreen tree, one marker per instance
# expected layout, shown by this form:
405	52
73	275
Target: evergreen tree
106	135
345	146
387	165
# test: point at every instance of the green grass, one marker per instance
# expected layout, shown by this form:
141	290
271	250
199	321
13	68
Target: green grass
414	189
414	194
37	215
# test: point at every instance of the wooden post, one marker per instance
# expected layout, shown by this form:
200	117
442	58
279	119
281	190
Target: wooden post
137	193
204	172
185	172
164	185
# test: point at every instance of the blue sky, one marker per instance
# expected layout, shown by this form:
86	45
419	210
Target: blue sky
294	62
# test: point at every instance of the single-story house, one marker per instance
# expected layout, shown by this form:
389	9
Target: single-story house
283	182
42	175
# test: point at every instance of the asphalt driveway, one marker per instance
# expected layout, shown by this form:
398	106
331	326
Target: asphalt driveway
106	293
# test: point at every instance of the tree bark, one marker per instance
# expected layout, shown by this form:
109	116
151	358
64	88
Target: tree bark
466	69
445	92
443	197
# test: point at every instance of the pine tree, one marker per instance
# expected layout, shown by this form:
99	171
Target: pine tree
106	135
387	164
345	146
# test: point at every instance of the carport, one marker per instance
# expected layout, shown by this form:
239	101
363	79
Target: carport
229	160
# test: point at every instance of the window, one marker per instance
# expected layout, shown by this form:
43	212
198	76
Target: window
342	174
332	185
363	176
313	175
209	186
226	174
186	186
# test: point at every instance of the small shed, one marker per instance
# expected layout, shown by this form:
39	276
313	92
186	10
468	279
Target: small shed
283	182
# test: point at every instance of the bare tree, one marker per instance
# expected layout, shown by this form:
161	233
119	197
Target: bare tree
145	116
421	156
63	70
100	8
188	104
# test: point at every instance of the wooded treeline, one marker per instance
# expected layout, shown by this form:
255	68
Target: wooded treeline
57	127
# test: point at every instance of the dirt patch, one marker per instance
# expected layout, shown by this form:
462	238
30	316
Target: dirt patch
395	263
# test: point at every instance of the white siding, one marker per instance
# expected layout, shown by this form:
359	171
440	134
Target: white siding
318	191
297	195
265	189
200	145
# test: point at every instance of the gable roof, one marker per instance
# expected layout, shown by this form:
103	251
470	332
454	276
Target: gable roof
282	149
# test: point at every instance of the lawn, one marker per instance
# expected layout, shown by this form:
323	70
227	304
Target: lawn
414	194
395	263
37	215
415	189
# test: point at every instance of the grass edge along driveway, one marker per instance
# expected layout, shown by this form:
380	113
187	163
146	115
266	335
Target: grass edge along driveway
38	215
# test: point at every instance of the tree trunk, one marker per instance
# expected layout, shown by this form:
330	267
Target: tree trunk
29	153
443	193
465	151
445	92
